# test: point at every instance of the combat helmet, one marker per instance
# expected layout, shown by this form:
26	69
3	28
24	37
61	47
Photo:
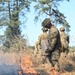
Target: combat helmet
44	29
46	22
62	29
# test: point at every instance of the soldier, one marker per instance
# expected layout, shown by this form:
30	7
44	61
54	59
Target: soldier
54	47
37	48
64	40
43	42
43	39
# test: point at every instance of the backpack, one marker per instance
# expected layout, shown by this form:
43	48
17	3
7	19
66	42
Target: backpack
44	45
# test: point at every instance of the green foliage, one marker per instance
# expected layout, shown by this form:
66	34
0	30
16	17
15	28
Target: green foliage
32	47
18	44
10	13
50	8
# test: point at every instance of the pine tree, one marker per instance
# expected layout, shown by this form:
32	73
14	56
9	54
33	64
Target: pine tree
50	8
10	12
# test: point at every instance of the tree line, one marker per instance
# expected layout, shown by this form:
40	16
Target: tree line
12	10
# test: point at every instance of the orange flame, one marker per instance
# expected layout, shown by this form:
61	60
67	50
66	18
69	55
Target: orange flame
52	71
27	66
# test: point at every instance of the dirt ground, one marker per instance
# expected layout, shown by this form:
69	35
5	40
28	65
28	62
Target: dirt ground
29	64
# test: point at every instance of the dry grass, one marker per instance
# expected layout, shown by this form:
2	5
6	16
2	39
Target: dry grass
10	63
67	62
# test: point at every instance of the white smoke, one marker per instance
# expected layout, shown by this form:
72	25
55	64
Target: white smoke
9	64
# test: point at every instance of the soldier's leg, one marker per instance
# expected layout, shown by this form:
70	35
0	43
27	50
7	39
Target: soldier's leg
51	61
55	60
44	59
57	65
35	52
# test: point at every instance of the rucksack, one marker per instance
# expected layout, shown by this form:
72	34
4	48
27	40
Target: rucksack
44	45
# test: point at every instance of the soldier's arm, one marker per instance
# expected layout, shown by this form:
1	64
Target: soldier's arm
39	40
53	40
68	39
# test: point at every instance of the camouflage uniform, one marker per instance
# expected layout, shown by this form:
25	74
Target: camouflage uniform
43	37
64	40
36	48
54	43
43	42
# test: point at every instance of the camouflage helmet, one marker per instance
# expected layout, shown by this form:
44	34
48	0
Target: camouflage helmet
62	29
46	23
44	29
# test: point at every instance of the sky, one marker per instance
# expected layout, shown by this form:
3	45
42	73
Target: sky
32	30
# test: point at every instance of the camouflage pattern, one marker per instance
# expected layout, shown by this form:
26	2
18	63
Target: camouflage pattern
62	29
43	41
42	37
46	23
44	29
54	45
36	48
64	41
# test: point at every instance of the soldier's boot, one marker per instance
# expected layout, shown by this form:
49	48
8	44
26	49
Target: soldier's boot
57	67
53	68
